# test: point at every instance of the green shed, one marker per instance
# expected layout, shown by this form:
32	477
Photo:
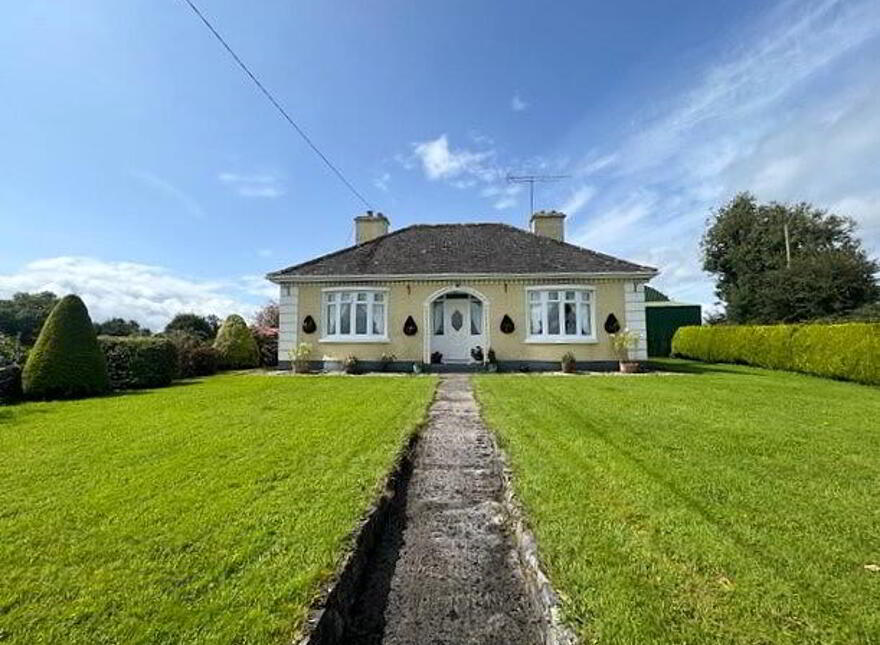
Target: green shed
663	317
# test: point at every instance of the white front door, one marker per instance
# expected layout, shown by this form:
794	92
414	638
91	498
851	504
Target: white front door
457	327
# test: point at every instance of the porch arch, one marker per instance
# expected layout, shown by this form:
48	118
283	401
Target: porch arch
427	323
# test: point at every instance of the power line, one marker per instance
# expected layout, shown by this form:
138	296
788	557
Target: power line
277	105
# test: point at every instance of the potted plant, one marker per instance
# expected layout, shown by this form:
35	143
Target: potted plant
436	358
477	354
623	342
385	361
491	361
569	364
350	364
300	358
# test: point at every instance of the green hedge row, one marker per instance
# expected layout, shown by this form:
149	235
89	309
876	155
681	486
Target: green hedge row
848	351
136	362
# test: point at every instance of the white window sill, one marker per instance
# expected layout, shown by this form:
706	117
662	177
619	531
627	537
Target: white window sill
561	340
354	339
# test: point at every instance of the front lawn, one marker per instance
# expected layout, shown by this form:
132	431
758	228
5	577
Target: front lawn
724	505
208	512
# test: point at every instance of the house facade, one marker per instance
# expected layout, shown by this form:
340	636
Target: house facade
445	294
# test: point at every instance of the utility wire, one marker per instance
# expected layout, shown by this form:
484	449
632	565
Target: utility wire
277	105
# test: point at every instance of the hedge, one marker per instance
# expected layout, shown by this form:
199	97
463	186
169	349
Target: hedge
137	362
66	361
849	351
194	356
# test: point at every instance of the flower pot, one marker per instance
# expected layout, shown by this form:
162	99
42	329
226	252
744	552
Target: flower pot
629	367
492	367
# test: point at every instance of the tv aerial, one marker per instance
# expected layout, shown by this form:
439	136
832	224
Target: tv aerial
531	180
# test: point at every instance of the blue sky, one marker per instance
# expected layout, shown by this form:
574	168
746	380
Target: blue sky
140	169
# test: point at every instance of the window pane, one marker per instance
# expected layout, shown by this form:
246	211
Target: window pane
586	325
345	318
553	318
362	297
345	296
331	320
476	317
379	319
585	296
570	319
535	296
438	317
360	318
536	320
569	295
331	297
552	295
378	297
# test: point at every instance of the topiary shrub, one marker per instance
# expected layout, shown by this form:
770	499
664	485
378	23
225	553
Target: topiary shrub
66	361
137	362
235	345
194	356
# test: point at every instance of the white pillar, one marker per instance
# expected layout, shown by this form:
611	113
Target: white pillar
636	322
287	322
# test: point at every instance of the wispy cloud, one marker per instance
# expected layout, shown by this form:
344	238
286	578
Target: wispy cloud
439	161
792	115
170	191
253	185
517	104
381	182
150	294
578	199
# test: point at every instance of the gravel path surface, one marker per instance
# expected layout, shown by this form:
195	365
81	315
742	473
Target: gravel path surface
446	569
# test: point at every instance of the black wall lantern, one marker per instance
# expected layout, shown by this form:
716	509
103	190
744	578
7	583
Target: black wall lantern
309	325
507	325
410	328
612	325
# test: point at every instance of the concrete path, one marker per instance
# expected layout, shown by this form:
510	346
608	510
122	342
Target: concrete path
446	571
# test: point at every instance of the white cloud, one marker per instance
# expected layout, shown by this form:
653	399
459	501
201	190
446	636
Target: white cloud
253	185
578	199
439	161
791	115
150	294
517	104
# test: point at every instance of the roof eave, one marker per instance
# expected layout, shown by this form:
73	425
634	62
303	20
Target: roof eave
646	273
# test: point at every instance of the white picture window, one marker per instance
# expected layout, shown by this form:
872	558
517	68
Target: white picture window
355	315
561	314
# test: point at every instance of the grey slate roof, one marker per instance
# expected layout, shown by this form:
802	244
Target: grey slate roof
460	249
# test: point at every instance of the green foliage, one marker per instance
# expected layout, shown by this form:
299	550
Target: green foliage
194	356
66	361
12	351
120	327
267	343
193	324
10	383
744	247
206	513
23	316
138	362
235	345
846	351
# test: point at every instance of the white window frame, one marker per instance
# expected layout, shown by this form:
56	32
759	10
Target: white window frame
548	339
353	337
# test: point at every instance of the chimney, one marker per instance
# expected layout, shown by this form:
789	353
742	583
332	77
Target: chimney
549	224
370	226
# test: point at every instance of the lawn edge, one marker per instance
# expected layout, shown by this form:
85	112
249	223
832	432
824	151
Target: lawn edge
329	613
544	595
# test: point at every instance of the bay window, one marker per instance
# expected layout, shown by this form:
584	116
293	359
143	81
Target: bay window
561	314
354	315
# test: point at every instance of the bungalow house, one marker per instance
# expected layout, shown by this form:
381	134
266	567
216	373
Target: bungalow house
447	293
